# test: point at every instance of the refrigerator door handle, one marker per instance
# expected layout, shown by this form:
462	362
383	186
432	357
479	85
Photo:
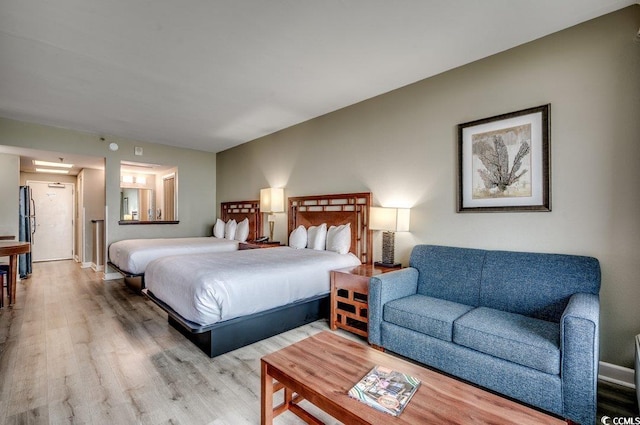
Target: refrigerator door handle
32	216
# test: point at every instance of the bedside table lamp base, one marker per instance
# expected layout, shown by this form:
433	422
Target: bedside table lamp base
271	201
272	221
388	265
388	248
389	220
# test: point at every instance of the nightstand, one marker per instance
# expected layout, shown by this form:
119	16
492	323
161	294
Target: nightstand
350	296
257	245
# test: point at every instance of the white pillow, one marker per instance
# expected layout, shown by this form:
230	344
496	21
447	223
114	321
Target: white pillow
218	229
298	238
317	237
339	238
242	231
230	229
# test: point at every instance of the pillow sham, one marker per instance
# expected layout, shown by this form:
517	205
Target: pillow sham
218	229
230	229
298	238
317	237
339	238
242	230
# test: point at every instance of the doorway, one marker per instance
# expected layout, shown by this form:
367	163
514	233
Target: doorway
53	225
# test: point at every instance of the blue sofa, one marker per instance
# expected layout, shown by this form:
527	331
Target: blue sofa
521	324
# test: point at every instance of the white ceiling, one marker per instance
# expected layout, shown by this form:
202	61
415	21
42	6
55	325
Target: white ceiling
212	74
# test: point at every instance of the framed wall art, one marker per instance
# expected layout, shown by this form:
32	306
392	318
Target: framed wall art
503	162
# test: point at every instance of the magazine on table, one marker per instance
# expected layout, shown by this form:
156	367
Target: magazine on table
385	389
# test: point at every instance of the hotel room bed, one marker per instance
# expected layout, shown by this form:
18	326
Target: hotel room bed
228	300
206	289
131	256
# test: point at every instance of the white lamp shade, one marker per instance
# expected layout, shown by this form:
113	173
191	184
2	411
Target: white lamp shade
390	219
271	200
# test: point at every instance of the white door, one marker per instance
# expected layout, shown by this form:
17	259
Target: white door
53	235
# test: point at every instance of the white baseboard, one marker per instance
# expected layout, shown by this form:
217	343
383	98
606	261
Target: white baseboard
111	276
85	265
617	374
96	268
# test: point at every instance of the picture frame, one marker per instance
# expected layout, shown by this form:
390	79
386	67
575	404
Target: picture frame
504	162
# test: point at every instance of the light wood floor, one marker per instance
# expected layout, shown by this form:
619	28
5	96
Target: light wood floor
76	349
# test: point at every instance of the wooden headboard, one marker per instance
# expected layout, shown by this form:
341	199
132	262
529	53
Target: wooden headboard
238	210
336	209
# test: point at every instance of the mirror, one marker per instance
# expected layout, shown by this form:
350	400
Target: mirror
148	193
137	204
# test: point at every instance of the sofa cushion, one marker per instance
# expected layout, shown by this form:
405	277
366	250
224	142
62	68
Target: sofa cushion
428	315
449	273
520	339
536	285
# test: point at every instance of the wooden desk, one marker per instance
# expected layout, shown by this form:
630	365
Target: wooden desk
12	249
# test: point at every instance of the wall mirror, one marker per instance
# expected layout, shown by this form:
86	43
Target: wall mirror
148	193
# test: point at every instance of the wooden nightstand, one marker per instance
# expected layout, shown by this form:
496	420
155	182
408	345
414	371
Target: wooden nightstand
350	296
257	245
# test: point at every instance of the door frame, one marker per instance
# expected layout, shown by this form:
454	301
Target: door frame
73	210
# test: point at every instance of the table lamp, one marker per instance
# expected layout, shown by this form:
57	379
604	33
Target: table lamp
271	201
390	220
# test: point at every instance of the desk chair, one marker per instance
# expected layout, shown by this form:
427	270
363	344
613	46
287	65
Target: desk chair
4	273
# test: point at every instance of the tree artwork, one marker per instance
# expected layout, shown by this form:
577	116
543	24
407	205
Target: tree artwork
503	162
495	176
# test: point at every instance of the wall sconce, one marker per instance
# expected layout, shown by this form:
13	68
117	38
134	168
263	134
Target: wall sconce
390	220
271	201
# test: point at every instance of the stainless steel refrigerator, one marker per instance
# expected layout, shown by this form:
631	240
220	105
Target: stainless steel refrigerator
26	229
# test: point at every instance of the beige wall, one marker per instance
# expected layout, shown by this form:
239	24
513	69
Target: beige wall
196	170
93	203
401	146
9	194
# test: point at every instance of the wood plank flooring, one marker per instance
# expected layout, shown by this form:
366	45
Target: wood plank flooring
76	349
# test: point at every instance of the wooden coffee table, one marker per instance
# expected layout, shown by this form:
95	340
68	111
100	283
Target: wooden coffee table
323	367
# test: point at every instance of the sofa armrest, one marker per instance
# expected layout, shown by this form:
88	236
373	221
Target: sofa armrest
579	344
384	288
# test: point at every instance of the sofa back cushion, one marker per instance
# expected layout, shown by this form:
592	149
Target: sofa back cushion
536	285
449	273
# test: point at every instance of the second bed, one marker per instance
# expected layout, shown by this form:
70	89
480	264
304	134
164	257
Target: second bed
131	256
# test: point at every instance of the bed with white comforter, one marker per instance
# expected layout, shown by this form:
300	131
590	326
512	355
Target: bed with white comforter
207	289
132	256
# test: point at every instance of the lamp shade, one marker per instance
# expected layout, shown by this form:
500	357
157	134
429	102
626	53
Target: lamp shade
390	219
272	200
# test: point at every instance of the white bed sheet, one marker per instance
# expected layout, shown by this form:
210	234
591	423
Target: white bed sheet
206	289
133	255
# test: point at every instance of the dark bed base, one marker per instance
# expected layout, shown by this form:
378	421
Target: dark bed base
222	337
133	281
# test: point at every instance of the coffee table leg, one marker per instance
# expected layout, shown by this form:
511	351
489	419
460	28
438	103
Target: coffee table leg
266	384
